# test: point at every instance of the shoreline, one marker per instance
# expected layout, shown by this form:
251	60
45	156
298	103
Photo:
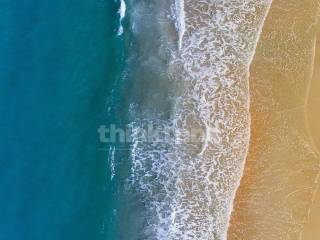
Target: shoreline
276	190
249	107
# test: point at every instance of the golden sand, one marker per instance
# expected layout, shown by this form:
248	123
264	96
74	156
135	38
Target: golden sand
311	229
278	197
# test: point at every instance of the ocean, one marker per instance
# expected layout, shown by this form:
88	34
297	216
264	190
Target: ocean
58	66
76	73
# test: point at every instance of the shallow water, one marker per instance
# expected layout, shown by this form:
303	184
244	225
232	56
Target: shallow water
195	80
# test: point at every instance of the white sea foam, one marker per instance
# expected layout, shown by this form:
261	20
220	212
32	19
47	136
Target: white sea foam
122	13
189	187
180	20
112	162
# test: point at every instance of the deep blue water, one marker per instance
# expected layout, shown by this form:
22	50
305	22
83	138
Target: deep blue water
60	71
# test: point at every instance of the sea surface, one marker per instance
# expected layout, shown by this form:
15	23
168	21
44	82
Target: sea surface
69	67
58	66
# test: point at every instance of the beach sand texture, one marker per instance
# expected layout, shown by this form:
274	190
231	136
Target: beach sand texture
278	198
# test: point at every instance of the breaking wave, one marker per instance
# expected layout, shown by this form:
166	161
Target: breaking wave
122	13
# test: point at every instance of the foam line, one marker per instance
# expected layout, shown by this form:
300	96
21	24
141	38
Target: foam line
122	13
180	21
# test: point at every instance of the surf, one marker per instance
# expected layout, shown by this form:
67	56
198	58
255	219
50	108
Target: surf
180	20
122	14
194	63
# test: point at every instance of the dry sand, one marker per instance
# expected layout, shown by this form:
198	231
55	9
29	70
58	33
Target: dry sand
278	196
311	229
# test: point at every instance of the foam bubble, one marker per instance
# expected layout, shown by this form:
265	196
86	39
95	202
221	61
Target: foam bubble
180	20
189	187
122	13
112	162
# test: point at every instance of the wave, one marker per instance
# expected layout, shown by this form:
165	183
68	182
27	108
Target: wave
122	13
180	20
112	162
188	185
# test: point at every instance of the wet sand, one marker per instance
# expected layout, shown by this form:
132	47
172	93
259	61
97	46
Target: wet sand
278	198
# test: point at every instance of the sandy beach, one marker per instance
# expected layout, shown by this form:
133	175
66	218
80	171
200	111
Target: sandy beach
311	229
278	197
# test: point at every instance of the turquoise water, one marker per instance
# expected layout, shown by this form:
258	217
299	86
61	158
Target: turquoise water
60	67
